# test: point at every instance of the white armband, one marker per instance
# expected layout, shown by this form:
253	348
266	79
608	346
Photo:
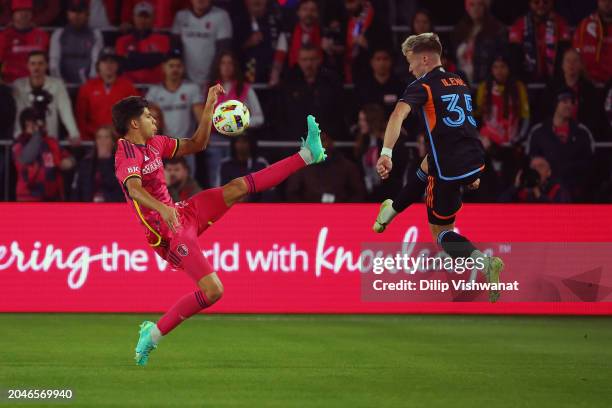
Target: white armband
386	152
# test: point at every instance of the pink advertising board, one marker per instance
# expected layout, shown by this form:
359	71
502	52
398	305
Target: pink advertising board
276	258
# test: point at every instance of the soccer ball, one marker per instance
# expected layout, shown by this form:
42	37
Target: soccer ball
231	118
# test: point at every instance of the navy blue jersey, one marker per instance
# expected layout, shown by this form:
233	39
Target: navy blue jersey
444	100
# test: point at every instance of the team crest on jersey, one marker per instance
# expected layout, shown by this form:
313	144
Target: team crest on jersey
154	150
182	250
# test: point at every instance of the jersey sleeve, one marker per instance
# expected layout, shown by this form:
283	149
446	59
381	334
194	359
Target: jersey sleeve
225	26
128	162
169	146
415	95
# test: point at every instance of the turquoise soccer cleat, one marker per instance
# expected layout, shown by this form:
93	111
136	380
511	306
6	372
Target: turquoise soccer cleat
313	141
145	343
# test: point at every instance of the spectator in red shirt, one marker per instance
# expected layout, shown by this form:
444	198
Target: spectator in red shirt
143	50
593	39
39	161
306	31
539	35
45	11
19	40
365	31
97	96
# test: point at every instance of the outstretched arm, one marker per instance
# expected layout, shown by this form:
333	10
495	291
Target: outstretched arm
143	198
199	140
392	132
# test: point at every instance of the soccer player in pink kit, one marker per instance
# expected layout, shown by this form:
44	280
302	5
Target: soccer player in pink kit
172	229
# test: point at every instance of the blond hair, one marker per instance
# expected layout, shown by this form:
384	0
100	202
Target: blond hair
426	42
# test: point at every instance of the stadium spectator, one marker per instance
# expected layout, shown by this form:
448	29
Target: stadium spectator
103	14
309	89
242	161
566	144
502	105
75	47
18	40
365	31
8	111
165	10
502	111
46	94
536	184
45	12
587	109
539	35
7	121
204	30
380	86
257	32
307	30
226	71
476	38
180	101
593	39
143	50
369	134
94	180
181	185
422	22
333	45
313	184
39	161
97	96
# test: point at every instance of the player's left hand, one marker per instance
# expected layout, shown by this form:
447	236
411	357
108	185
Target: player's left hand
213	94
383	167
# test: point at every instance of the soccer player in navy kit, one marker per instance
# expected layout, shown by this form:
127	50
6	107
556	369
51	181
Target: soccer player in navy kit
455	157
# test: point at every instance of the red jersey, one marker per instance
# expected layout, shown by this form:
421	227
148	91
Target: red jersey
154	43
15	46
546	39
145	162
593	39
40	180
95	101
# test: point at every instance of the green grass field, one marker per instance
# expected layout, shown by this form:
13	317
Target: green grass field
314	361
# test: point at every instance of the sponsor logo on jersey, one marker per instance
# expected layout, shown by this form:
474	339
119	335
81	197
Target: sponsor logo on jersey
152	166
182	250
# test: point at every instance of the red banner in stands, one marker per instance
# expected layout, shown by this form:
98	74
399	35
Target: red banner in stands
272	258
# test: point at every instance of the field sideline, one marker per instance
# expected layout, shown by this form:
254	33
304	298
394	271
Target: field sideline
314	361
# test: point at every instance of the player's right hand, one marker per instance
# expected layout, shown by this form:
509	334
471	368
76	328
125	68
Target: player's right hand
383	167
170	217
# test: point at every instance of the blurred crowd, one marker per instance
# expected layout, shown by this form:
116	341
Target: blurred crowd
541	73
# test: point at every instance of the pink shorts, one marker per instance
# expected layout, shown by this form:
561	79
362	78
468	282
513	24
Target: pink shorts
181	249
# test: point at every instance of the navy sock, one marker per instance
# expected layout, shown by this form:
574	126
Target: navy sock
412	192
457	246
